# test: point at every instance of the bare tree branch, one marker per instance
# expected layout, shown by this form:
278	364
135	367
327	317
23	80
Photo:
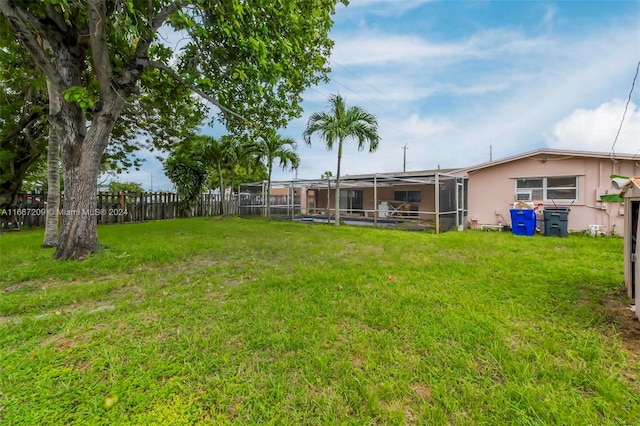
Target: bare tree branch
99	47
159	65
24	26
25	123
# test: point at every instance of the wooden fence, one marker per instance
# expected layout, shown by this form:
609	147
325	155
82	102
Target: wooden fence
122	208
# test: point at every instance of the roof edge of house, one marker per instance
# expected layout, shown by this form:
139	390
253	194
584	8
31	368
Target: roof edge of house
550	151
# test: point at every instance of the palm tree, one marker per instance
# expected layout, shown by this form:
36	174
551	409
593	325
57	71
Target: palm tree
328	175
271	147
339	124
238	159
218	154
53	172
53	188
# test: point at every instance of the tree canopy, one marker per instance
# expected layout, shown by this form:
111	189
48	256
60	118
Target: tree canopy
187	169
206	163
270	148
251	59
115	186
23	115
158	118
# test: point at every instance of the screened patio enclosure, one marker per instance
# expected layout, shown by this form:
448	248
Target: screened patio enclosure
428	200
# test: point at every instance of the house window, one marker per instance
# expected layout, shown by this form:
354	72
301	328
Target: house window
409	202
410	196
563	188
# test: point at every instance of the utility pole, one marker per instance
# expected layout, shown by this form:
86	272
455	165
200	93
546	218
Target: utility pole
490	153
404	161
151	182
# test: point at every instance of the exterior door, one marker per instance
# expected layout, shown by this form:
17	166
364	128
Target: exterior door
351	201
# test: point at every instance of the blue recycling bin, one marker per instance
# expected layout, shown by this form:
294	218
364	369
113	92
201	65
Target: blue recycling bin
523	222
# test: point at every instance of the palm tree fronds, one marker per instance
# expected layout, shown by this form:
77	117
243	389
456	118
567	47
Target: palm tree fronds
338	125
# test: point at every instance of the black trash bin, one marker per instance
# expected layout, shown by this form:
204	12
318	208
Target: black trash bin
556	221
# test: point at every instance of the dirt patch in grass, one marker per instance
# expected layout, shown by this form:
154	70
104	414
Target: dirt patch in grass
17	287
372	248
191	265
357	362
453	255
616	306
60	342
422	391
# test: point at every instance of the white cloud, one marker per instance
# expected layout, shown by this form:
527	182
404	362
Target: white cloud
423	128
596	129
378	48
386	8
549	17
451	113
374	47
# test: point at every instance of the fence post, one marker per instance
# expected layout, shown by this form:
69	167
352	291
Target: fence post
121	207
375	200
293	199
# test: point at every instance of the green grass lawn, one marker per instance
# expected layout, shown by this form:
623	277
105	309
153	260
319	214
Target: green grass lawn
248	322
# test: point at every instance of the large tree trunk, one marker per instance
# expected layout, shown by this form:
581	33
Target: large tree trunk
81	156
53	170
79	231
61	51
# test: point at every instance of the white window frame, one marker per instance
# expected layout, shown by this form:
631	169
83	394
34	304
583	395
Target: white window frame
545	188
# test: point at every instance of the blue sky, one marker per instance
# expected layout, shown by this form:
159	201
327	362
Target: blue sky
450	79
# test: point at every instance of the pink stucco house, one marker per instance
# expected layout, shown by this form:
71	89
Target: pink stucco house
548	177
482	196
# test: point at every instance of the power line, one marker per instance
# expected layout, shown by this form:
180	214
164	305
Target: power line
319	92
633	83
357	76
361	79
362	96
375	103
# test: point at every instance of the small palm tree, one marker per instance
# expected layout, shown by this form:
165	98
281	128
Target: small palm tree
328	175
239	159
271	147
339	124
218	154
